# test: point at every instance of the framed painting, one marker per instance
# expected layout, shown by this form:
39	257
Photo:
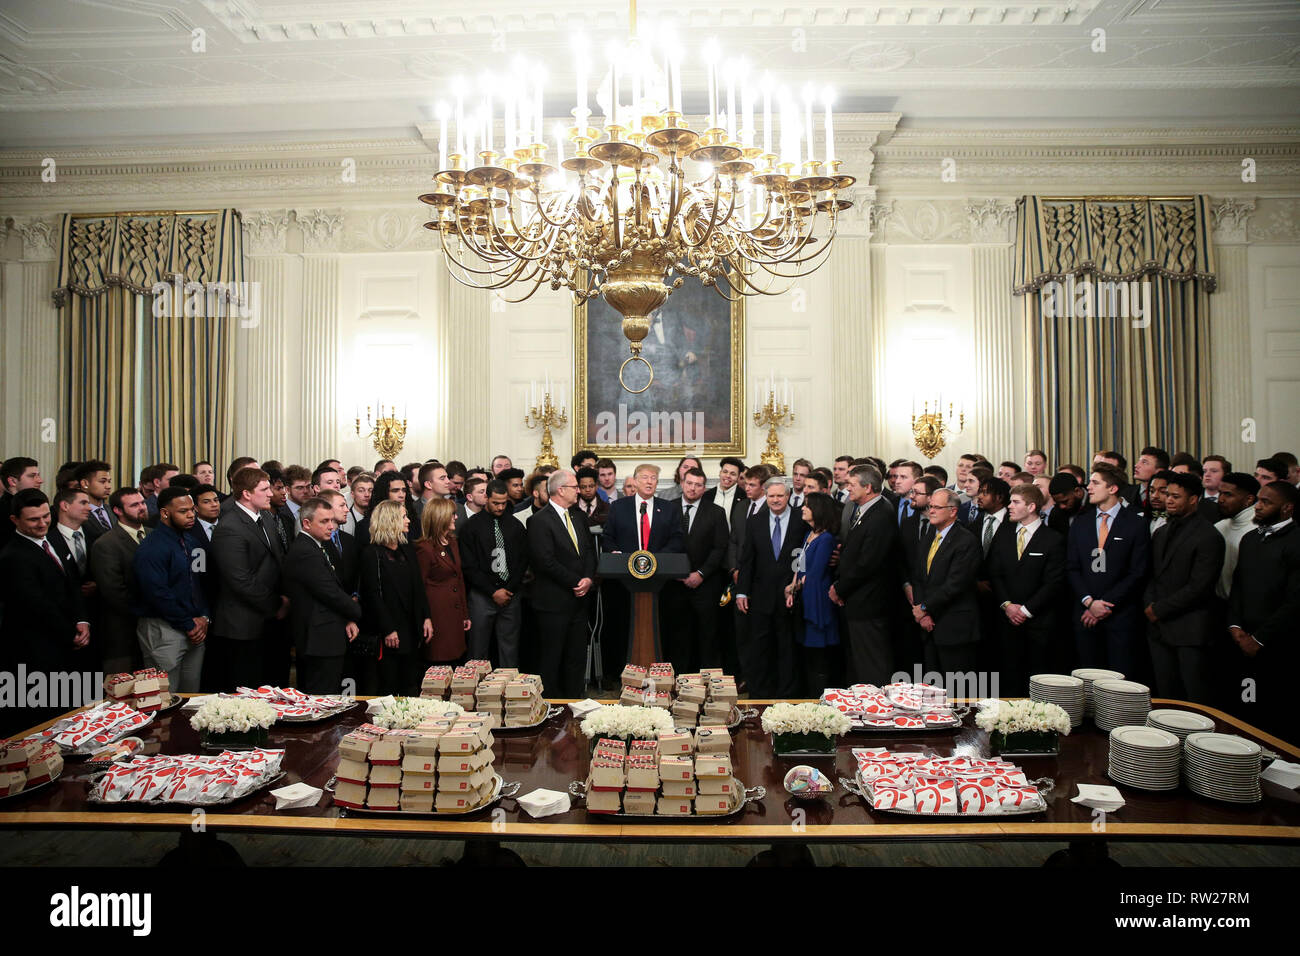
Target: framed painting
695	404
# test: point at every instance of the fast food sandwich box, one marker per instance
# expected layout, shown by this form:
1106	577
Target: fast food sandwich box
674	806
148	704
724	690
679	788
459	740
464	763
385	775
633	676
660	698
348	794
520	690
463	684
632	696
479	727
119	686
386	750
12	781
353	771
464	782
707	721
423	744
419	763
707	803
19	753
676	768
713	765
639	748
490	692
416	801
164	682
146	682
606	773
639	801
717	708
419	782
712	740
436	725
642	772
505	672
612	745
676	743
483	668
456	800
384	798
711	671
603	801
685	710
356	745
716	785
692	694
466	701
46	765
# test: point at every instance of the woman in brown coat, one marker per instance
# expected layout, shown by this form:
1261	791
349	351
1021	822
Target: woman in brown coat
444	582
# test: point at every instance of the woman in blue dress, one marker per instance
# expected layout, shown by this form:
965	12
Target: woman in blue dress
820	637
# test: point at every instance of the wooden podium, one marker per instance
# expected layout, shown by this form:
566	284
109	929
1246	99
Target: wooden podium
644	574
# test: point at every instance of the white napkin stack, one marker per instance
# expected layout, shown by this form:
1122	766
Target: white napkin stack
581	708
1107	799
545	803
296	795
379	703
194	703
1283	774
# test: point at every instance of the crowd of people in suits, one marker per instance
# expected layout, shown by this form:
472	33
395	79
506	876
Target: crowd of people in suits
1186	577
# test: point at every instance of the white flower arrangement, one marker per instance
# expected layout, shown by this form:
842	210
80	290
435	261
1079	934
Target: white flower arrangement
1019	716
640	723
811	718
405	713
225	715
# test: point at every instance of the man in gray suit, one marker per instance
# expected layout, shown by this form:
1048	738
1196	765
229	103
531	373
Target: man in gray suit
112	565
247	553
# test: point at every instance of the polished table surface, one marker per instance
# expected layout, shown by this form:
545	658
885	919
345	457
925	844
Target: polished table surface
556	754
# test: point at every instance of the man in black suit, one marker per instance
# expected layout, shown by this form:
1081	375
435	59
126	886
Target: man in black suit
1264	605
95	478
690	605
344	551
113	568
1106	561
729	493
494	558
1130	494
247	553
767	655
1068	498
643	522
236	466
1186	559
943	590
323	614
865	583
563	559
16	474
592	507
1026	572
71	508
735	625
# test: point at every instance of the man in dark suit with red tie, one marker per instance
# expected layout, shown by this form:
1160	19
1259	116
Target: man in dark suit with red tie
642	522
563	558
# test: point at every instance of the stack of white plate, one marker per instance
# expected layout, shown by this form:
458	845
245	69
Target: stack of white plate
1222	767
1120	703
1088	675
1060	689
1180	722
1145	757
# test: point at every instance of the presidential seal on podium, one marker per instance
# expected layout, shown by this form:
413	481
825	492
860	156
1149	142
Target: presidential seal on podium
641	565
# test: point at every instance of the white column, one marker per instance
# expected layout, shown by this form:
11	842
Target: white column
853	333
320	423
1230	360
261	352
992	409
36	367
875	360
465	350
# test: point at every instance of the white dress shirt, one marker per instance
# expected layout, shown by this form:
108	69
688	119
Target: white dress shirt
650	516
68	534
1233	530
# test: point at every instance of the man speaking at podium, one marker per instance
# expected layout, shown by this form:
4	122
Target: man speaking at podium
642	522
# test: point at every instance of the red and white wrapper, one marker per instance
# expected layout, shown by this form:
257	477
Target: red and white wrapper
899	781
892	798
938	797
871	769
1025	798
978	796
940	719
1010	778
908	723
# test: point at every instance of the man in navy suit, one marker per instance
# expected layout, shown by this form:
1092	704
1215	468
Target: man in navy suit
642	522
1106	561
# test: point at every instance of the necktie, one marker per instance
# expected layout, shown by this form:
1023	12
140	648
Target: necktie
686	519
79	551
1102	531
568	526
503	574
102	516
280	532
934	547
1020	543
753	508
645	528
53	557
335	538
853	520
988	532
776	538
325	551
139	535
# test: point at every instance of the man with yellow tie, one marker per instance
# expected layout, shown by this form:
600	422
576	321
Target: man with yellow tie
563	558
1026	572
943	590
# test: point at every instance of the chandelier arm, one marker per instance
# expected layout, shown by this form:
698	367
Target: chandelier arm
497	271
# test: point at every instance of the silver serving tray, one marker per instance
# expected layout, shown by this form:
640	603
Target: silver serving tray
39	786
578	790
342	708
737	718
500	789
1044	786
552	710
176	700
91	797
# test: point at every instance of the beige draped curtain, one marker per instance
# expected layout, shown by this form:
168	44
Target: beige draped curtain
147	306
1116	320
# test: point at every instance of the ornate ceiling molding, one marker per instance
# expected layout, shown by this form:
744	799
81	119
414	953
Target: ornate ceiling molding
991	220
1231	217
321	229
265	231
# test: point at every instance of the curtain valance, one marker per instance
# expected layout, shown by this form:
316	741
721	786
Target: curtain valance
139	251
1112	239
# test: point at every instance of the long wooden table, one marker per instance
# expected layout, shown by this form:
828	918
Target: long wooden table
556	754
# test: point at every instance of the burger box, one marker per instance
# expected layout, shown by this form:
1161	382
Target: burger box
349	794
631	696
386	750
385	775
436	725
464	782
641	747
507	671
520	690
519	720
612	744
417	801
423	744
148	704
419	782
46	766
18	753
119	686
707	721
479	726
713	765
523	708
717	708
463	700
716	785
459	740
603	801
353	771
384	798
606	773
642	772
164	682
726	692
686	711
145	685
676	768
464	763
11	782
658	668
713	803
692	694
712	740
490	691
482	667
639	801
711	671
419	763
663	683
679	788
633	676
674	806
456	800
463	681
660	699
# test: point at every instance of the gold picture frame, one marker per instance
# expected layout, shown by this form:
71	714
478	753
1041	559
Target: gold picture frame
603	358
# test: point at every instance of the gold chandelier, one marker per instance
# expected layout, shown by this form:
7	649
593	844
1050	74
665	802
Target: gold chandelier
639	206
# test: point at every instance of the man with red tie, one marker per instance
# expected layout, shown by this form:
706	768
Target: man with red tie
643	522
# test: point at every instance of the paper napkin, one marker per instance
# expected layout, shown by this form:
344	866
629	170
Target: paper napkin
1283	774
379	703
1108	799
296	795
581	708
544	803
